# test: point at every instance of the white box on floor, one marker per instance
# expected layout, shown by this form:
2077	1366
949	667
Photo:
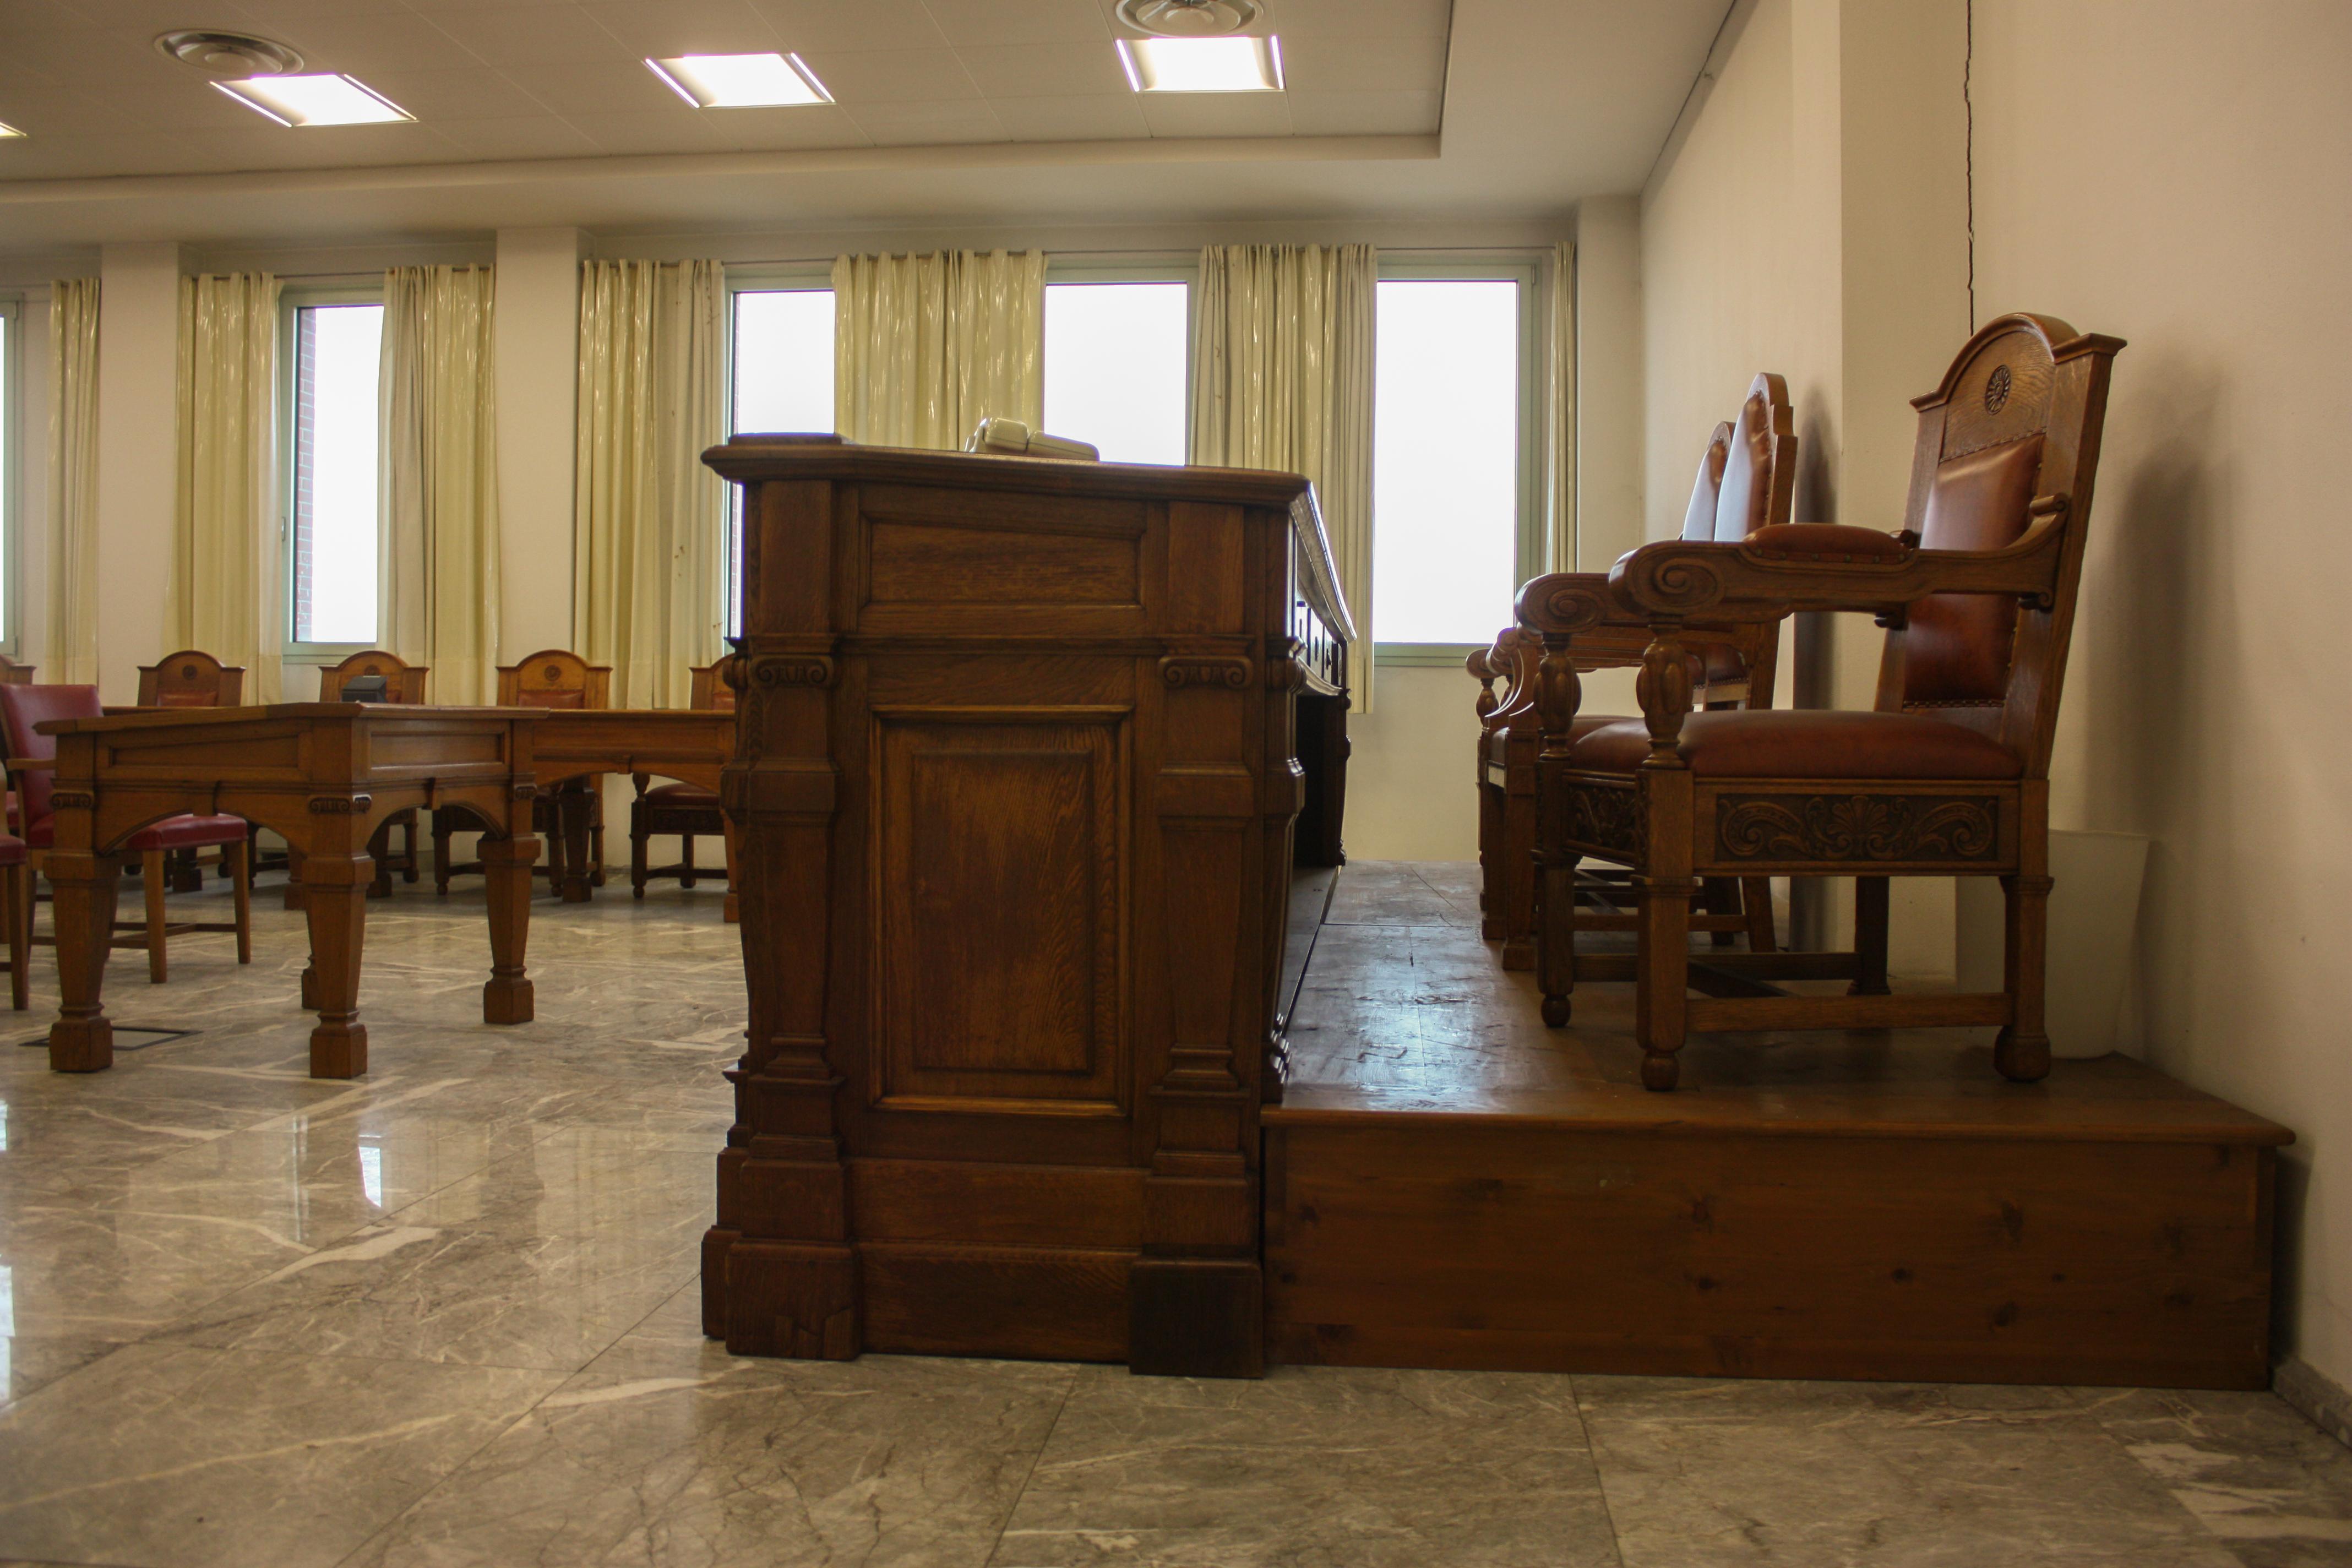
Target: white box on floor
2094	914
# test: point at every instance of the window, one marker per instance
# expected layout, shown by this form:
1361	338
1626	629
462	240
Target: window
781	380
1116	353
335	531
1455	526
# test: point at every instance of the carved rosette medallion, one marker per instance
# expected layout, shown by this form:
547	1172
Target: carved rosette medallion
1996	392
1180	672
1960	829
1603	816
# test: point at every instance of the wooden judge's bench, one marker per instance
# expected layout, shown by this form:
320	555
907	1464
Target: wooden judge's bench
1029	754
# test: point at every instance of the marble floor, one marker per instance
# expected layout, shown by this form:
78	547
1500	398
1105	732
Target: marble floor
446	1315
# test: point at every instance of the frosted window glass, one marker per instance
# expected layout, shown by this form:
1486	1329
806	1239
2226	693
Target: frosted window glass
336	525
1115	358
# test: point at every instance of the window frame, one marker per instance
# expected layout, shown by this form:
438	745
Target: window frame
763	277
292	298
1529	541
1141	267
12	472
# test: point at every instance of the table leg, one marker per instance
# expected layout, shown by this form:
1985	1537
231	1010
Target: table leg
334	894
505	865
575	807
84	885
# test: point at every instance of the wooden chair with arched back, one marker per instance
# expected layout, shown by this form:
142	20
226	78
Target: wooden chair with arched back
1947	775
1745	484
403	682
194	678
689	811
558	678
14	674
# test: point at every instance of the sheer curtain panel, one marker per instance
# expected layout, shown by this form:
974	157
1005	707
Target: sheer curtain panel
72	652
1282	378
925	347
226	592
650	520
440	478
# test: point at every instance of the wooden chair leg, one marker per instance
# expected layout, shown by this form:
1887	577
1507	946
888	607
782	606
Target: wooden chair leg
1755	903
441	858
151	873
19	917
2022	1051
1490	864
1870	911
1518	879
1556	938
686	860
640	864
1662	976
240	878
596	839
1720	896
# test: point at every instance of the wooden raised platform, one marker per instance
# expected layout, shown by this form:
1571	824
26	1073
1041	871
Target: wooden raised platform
1448	1183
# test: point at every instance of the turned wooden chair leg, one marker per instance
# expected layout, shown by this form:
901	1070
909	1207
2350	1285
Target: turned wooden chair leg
1490	868
686	860
19	916
1720	896
1869	909
2022	1051
1518	845
596	843
1556	938
239	857
640	863
151	873
1662	976
441	858
1755	903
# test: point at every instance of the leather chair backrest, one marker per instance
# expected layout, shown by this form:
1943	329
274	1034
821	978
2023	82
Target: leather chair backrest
1759	479
23	707
1698	518
2008	444
554	677
404	681
191	679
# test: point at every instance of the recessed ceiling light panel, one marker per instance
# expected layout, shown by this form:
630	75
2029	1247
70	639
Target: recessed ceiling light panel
741	81
1202	64
6	131
330	99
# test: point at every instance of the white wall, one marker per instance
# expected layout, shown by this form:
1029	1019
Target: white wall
2179	181
537	337
138	446
1609	378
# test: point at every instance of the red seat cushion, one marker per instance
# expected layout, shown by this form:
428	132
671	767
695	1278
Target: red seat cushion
12	849
683	794
1498	741
171	833
1810	743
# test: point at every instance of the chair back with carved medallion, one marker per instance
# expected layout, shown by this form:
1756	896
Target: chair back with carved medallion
404	681
553	678
191	679
2007	448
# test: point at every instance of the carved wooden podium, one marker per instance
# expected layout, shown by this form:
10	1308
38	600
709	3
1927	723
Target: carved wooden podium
1015	788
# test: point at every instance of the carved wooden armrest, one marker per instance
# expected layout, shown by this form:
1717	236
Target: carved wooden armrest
1831	566
1564	602
31	764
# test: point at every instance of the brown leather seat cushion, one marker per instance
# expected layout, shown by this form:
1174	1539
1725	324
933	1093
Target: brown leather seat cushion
1826	542
1583	724
684	794
1810	743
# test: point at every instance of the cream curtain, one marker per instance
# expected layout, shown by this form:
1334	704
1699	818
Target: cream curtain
225	593
925	347
440	478
649	519
71	656
1559	413
1282	378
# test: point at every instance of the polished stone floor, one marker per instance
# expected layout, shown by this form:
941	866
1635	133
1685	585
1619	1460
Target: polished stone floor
446	1315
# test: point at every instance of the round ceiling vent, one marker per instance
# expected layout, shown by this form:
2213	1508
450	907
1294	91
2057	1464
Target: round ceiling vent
1188	19
229	54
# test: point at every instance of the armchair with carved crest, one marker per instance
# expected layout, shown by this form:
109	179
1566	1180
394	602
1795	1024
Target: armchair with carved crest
1746	478
1946	775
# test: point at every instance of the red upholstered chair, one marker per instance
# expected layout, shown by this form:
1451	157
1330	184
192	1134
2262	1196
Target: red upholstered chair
1746	483
16	918
686	810
32	757
1946	775
194	678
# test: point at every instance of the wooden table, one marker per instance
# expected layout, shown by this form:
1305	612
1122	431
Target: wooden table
323	774
689	744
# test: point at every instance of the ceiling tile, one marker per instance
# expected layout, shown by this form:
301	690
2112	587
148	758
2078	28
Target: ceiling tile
1365	65
266	147
930	124
1190	114
477	92
93	58
805	24
529	34
363	44
985	22
1094	117
148	18
767	129
1044	71
1360	19
674	130
286	12
1364	114
39	112
129	153
622	87
892	75
694	27
536	136
196	105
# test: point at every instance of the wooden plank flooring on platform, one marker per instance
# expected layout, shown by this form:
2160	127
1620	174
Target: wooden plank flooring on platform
1450	1184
